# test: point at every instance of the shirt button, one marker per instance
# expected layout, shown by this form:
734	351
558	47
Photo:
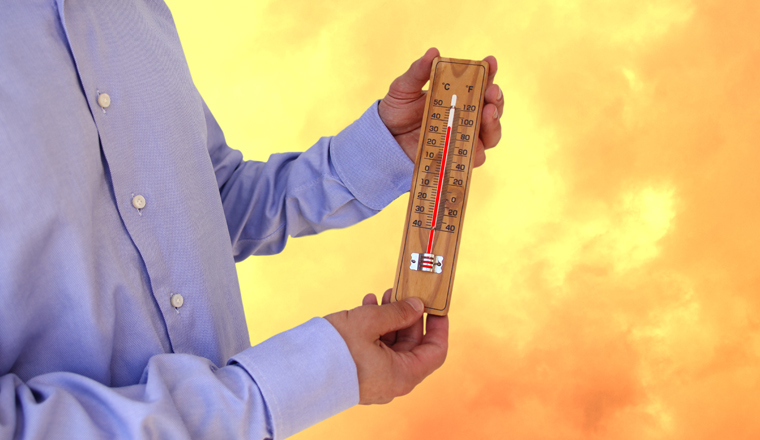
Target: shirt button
138	201
104	100
177	300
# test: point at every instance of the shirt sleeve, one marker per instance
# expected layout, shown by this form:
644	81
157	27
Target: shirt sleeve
338	182
269	391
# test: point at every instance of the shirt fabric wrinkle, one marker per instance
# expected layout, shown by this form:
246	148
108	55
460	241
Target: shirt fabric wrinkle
90	343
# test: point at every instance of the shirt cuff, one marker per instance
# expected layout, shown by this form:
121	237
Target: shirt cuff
370	162
305	375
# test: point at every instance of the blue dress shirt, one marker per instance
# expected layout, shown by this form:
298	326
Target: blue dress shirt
122	214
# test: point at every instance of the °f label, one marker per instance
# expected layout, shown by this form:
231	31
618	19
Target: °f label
440	185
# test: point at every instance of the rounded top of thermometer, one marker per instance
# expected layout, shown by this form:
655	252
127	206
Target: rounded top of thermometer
453	100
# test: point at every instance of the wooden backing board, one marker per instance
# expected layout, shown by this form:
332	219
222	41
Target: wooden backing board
468	80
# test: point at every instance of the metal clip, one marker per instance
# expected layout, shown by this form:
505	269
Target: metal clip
427	263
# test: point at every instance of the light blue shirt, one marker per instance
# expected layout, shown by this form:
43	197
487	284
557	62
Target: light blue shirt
93	340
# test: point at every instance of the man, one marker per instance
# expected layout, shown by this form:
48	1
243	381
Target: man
123	211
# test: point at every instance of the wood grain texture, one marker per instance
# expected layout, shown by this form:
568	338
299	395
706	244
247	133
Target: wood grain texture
467	80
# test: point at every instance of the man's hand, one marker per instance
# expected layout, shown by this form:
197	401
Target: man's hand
401	109
391	353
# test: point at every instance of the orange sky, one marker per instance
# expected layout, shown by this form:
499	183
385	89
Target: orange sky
608	283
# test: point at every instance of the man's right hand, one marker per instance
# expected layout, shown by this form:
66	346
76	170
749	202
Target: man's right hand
387	343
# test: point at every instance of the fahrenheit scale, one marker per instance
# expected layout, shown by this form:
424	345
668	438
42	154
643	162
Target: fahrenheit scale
438	197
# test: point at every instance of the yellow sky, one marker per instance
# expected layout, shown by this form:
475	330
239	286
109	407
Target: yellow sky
608	283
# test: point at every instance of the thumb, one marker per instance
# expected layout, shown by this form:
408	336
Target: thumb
414	79
397	315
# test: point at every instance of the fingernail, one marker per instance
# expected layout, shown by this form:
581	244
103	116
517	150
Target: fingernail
495	114
499	97
416	304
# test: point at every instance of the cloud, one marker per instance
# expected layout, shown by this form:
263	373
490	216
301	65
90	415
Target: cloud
608	283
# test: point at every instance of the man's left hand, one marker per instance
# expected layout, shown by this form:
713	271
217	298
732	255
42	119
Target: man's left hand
402	108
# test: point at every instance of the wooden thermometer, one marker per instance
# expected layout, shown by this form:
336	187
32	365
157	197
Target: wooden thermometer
441	181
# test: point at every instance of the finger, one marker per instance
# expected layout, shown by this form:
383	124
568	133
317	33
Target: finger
369	300
480	154
410	337
410	84
430	354
394	316
490	129
389	338
495	96
493	66
387	296
437	330
435	344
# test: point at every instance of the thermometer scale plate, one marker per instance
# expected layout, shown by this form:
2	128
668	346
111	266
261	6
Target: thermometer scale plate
442	171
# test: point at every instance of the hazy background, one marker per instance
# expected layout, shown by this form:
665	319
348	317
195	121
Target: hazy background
608	283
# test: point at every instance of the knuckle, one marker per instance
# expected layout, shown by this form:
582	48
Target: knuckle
344	317
406	389
441	359
404	386
339	320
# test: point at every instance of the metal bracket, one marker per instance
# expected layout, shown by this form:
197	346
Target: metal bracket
426	263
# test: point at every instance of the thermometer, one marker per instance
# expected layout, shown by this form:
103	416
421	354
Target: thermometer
442	171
